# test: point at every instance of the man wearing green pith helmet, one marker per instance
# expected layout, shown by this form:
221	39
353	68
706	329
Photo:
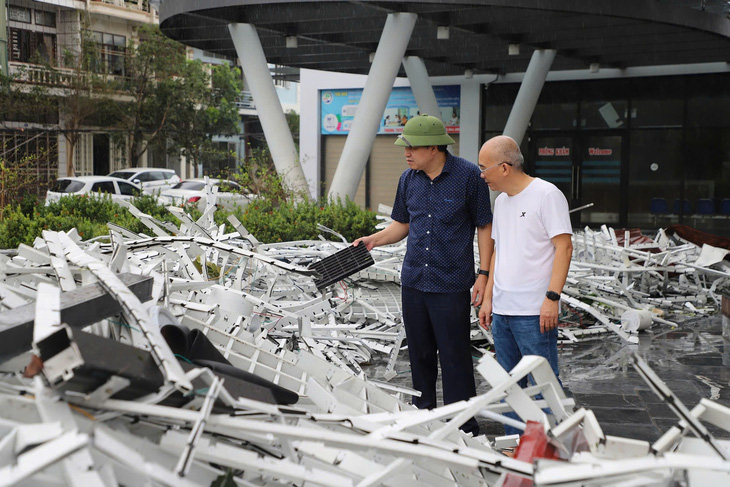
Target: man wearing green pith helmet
438	205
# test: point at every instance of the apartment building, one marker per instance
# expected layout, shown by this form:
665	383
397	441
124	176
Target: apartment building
49	32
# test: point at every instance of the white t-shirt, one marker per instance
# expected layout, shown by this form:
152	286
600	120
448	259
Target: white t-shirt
522	228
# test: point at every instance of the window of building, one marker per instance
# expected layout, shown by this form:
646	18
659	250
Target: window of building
112	53
47	19
19	14
28	46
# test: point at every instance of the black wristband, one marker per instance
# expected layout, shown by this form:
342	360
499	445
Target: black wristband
482	272
552	296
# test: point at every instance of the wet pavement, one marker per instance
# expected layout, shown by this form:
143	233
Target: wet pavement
693	360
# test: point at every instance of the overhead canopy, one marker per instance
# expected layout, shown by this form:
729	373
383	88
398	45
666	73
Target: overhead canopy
340	36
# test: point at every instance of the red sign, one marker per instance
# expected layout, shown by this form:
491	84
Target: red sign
553	151
595	151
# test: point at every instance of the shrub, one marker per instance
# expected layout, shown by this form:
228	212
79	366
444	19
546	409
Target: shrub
270	221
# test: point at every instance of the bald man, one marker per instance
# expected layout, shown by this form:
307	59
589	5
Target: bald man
532	248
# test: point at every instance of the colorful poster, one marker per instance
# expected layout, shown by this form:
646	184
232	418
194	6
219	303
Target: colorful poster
338	108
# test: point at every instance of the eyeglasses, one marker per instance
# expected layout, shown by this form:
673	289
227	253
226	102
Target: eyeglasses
490	167
405	140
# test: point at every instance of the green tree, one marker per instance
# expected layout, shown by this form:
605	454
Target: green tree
206	107
155	81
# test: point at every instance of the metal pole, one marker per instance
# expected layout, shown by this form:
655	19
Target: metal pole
273	121
388	57
530	89
421	86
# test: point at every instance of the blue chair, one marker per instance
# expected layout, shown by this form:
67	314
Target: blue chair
725	206
705	206
658	206
686	208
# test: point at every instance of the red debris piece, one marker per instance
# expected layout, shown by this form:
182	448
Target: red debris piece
533	444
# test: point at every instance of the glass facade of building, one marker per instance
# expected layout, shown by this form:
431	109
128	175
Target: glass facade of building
647	152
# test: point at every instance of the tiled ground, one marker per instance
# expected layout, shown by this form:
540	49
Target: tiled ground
693	360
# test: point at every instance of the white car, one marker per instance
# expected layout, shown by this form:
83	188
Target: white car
151	179
229	196
119	189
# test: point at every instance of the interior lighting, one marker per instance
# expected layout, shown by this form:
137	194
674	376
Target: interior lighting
442	32
513	49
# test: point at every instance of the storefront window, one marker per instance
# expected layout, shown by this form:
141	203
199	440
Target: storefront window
709	104
557	107
498	102
655	177
707	187
604	105
657	102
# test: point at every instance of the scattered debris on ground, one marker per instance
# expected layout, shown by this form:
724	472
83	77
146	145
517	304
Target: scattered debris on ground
198	357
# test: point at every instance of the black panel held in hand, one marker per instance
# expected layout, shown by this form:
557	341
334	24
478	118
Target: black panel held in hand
341	264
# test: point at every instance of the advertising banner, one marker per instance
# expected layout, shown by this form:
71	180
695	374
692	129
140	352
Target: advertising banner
338	108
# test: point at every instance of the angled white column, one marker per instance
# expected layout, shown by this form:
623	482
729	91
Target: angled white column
421	85
388	57
530	89
273	121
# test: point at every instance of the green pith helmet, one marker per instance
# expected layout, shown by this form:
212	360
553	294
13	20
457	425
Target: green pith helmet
422	131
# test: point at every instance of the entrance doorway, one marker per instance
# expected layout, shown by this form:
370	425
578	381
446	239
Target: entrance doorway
587	168
101	154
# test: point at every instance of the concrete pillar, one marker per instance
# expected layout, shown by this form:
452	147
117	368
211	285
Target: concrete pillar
470	129
383	71
421	85
530	89
273	121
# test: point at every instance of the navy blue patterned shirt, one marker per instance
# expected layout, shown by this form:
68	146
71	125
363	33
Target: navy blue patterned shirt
442	215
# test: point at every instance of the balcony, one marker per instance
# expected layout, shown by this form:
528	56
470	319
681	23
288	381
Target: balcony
131	10
33	74
245	101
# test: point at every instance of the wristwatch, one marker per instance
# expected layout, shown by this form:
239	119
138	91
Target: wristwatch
552	296
482	272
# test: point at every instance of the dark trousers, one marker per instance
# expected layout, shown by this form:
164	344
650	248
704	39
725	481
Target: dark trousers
439	322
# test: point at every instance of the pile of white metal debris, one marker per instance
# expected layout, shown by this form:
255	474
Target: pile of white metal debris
628	282
198	357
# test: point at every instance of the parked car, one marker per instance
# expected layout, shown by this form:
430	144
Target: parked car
151	179
230	193
93	185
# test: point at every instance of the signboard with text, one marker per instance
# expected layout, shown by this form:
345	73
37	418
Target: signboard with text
338	108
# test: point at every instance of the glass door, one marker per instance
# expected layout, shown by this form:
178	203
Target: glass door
598	179
552	160
587	169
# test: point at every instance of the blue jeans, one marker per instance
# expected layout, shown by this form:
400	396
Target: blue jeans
437	329
517	336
